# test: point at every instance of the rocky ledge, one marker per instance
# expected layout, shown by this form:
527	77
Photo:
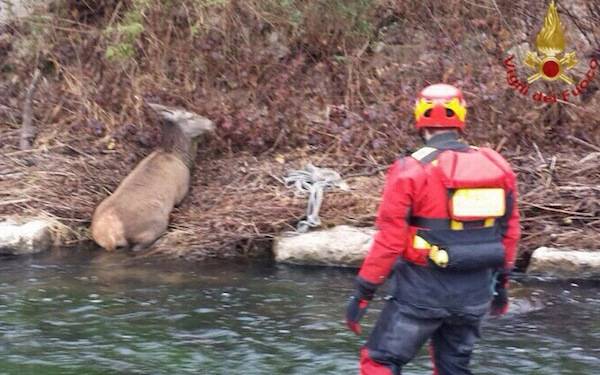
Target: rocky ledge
343	246
26	236
565	263
347	246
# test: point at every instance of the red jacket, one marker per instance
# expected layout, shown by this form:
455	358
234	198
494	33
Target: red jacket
414	189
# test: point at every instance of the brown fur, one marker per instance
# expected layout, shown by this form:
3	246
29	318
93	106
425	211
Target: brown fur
137	213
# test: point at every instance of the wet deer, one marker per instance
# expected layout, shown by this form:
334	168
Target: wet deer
137	213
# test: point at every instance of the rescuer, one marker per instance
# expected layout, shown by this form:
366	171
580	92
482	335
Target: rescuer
448	227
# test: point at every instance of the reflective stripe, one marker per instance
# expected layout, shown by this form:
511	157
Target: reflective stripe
478	203
423	152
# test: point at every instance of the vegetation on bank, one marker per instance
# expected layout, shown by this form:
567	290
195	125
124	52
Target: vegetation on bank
286	80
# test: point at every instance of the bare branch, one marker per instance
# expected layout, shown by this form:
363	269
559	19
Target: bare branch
28	129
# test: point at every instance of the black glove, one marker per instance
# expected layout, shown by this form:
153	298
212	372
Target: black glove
358	303
500	301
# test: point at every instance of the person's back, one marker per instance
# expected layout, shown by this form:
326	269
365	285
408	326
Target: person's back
447	223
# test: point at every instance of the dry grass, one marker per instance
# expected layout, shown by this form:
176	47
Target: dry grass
308	80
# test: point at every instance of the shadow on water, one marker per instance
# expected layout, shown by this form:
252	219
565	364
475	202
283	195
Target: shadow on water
89	312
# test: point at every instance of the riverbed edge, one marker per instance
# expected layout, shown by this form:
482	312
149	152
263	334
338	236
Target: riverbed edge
340	246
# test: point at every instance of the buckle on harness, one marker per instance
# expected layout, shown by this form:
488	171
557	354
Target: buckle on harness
438	256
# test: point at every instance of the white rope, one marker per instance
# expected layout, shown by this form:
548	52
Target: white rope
313	181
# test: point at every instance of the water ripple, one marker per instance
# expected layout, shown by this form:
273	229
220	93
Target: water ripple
90	316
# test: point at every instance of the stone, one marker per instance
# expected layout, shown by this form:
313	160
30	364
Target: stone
10	9
564	263
25	237
344	246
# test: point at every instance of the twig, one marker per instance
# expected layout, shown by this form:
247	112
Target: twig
439	25
14	201
539	153
369	173
590	157
551	171
501	144
575	19
500	14
578	188
586	214
31	151
583	143
28	130
74	149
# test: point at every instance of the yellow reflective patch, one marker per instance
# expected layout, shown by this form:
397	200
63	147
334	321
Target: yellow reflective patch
421	106
456	225
420	243
489	222
478	203
458	108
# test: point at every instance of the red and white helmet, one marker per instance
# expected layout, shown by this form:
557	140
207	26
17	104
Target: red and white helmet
440	106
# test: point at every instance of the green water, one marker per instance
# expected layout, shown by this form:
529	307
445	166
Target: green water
79	312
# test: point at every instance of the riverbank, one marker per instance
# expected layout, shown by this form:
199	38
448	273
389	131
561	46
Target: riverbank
238	204
329	83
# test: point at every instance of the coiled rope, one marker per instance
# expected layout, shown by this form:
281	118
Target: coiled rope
313	181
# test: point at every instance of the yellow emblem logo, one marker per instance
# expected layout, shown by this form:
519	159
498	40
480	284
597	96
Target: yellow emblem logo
550	61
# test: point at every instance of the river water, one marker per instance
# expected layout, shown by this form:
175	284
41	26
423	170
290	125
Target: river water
81	312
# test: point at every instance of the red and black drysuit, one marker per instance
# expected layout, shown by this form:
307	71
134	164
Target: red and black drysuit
444	304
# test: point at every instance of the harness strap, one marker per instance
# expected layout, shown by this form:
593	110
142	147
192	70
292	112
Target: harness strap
426	155
507	214
443	224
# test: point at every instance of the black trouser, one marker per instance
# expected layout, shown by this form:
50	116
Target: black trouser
401	331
